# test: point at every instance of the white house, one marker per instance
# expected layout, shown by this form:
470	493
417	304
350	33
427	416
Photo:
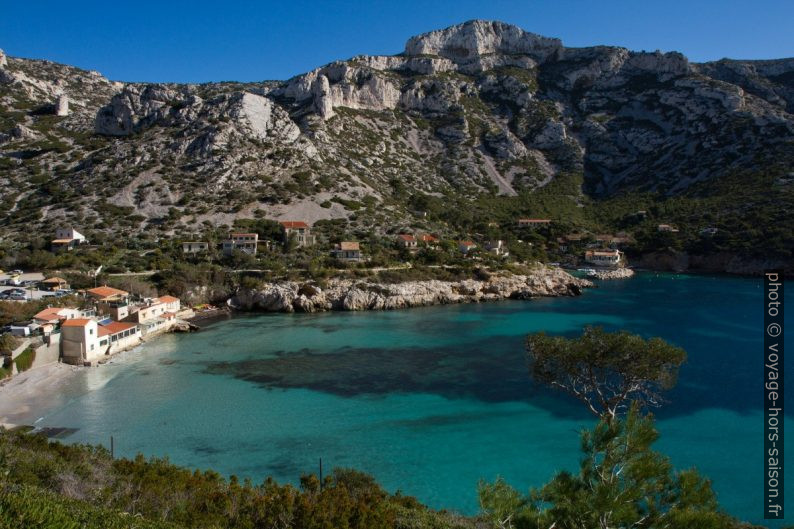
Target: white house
195	247
66	239
172	304
244	242
80	341
298	229
54	315
606	258
347	251
497	247
118	335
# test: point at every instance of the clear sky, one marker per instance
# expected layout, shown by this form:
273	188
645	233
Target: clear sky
200	40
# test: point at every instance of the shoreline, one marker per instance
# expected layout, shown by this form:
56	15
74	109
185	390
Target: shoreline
24	393
364	295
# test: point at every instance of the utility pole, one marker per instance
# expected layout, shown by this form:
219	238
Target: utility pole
321	474
111	447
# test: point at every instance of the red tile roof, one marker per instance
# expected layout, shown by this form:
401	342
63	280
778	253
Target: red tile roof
167	299
407	237
428	238
49	314
114	327
292	224
106	292
76	322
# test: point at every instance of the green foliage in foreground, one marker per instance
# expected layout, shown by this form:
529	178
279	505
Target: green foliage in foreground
621	483
47	485
35	508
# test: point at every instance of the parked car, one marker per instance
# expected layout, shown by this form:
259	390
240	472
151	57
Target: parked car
29	283
16	272
5	295
50	295
18	297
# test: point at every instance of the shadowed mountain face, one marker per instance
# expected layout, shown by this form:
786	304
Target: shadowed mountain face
478	107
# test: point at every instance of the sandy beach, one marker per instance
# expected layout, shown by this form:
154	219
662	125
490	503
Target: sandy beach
31	390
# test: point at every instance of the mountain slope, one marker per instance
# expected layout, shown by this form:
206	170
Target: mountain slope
477	108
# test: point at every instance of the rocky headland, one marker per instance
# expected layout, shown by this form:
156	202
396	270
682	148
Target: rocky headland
361	294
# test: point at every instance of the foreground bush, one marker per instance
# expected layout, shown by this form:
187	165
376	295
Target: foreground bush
47	484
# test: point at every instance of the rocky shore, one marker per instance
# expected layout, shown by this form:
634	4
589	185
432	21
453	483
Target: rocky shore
355	295
618	273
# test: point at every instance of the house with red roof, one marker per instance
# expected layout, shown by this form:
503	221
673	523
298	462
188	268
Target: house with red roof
110	301
298	229
466	247
407	241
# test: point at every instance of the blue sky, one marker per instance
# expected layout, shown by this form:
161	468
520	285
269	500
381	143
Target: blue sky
196	41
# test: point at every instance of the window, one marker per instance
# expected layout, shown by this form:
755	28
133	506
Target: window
90	331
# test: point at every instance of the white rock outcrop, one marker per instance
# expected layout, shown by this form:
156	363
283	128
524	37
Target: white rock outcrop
252	115
62	105
467	42
353	295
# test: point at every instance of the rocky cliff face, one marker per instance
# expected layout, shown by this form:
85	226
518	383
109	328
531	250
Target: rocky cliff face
352	295
476	107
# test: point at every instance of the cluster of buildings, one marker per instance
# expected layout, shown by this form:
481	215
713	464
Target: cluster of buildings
601	250
113	323
249	243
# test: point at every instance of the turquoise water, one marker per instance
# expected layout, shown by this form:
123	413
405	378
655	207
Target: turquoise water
431	400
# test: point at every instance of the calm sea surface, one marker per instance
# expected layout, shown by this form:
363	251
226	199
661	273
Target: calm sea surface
430	400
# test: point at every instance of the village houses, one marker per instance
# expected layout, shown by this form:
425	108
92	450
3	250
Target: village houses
85	338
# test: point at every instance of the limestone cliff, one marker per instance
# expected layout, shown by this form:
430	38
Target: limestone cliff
354	295
475	108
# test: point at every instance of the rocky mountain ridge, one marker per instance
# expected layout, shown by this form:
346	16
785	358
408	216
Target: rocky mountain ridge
480	107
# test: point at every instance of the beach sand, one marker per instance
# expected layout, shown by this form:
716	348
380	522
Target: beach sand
23	394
